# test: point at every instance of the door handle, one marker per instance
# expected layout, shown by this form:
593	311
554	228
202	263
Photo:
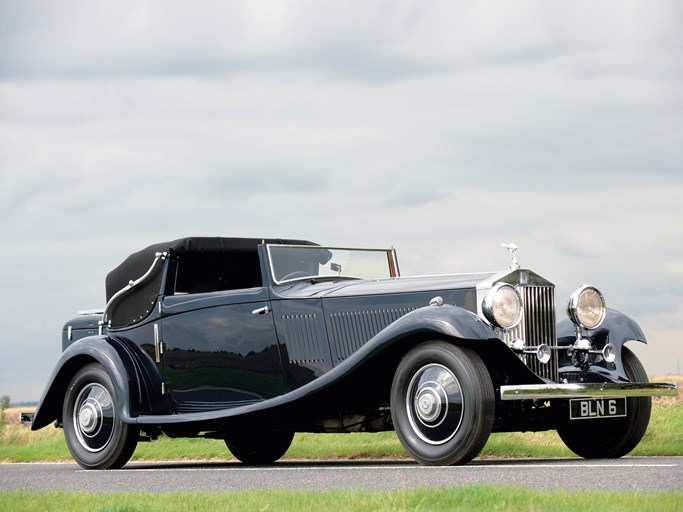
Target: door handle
261	311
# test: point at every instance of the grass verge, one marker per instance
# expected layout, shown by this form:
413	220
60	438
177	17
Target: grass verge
472	498
19	444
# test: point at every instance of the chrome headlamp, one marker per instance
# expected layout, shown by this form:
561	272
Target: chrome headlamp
586	307
502	306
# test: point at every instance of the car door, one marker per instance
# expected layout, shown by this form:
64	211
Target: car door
220	349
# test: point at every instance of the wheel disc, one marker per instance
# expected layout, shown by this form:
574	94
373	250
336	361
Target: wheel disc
93	417
434	403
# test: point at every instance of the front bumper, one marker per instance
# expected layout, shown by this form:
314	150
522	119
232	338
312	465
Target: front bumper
592	390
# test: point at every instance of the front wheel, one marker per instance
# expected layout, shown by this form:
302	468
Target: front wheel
442	403
611	438
95	435
256	447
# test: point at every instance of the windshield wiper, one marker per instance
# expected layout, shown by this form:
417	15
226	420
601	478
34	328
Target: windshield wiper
317	279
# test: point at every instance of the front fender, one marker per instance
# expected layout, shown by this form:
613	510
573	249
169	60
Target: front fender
616	329
619	327
133	378
447	320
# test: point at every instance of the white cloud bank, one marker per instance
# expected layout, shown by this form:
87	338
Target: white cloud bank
443	128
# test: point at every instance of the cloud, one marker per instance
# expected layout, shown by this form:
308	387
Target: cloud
441	128
368	41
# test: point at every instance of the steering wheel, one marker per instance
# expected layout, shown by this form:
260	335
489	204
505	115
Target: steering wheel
296	274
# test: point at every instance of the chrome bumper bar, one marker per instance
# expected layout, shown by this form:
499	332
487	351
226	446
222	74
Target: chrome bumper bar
592	390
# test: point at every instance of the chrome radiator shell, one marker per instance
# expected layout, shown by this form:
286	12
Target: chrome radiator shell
537	326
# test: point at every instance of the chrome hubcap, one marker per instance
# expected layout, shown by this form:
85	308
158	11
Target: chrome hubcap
434	403
87	418
93	417
429	404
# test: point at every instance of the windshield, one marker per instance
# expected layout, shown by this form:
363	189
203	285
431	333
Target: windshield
301	262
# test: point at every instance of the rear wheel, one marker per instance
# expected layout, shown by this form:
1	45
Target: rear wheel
612	437
94	434
442	403
259	447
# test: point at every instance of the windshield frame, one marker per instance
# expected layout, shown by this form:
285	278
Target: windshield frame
392	263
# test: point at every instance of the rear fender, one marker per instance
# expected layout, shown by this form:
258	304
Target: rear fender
135	379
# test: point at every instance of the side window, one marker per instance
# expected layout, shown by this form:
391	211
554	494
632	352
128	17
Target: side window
202	273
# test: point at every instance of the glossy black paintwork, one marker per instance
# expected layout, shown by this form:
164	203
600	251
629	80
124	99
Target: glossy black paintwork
360	381
79	327
132	372
218	353
320	324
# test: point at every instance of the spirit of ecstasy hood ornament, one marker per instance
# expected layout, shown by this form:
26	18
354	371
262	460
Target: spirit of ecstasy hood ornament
514	264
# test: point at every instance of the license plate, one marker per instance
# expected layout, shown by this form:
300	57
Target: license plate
589	408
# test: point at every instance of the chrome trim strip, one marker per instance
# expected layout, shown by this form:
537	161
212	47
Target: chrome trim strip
157	344
587	390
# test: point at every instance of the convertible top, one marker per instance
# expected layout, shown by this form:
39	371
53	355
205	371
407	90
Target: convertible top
211	251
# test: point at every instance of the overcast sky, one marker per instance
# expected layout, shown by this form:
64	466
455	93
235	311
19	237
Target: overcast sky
441	128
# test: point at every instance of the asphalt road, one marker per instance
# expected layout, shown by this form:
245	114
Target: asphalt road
627	474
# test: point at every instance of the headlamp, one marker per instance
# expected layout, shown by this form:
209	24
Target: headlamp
502	306
586	307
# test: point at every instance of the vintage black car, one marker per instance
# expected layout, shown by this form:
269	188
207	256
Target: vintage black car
252	340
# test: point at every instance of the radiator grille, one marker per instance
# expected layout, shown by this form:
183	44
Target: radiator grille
537	327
